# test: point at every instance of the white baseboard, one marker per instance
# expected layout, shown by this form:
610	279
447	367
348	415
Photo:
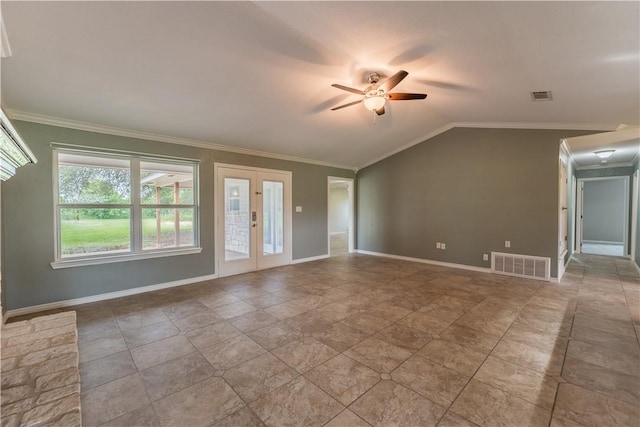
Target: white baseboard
309	259
103	297
426	261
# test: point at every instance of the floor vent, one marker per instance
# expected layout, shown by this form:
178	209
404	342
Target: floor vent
531	267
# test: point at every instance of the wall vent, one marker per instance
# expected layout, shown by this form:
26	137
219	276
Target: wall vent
541	96
530	267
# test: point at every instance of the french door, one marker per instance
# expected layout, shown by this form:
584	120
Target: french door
253	213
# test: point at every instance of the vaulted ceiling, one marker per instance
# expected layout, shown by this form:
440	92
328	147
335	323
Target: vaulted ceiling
258	75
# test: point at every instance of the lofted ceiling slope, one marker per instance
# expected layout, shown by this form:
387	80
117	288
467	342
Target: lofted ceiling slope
258	75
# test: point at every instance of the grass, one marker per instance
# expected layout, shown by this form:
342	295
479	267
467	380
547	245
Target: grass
103	235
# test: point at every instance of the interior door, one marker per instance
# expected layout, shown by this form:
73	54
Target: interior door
564	204
253	218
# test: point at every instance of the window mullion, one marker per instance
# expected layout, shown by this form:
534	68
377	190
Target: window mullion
136	214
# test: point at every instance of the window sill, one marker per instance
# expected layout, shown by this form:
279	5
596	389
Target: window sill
67	263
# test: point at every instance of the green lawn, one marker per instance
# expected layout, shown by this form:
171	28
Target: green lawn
102	235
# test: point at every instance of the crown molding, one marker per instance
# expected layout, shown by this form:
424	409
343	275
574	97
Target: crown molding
565	146
5	47
536	125
109	130
607	166
90	127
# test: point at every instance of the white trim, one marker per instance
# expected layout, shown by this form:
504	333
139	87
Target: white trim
351	202
106	296
109	130
90	127
66	263
635	205
606	166
491	125
427	261
536	125
626	242
309	259
5	47
260	262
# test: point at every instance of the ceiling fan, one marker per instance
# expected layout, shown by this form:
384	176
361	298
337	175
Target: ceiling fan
375	95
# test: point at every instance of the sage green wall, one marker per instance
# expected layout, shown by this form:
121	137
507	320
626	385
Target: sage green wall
469	188
28	221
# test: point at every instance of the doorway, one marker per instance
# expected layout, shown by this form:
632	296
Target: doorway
603	216
563	220
253	219
340	216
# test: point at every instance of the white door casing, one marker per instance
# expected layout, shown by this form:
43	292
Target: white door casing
253	218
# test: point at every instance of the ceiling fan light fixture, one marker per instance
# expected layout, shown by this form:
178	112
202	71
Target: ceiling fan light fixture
604	154
374	100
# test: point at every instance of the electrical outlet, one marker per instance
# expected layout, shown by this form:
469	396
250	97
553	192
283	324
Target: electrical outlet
298	208
507	243
443	246
485	257
438	245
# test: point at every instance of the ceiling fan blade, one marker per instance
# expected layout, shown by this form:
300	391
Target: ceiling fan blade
348	89
346	105
380	111
405	96
393	81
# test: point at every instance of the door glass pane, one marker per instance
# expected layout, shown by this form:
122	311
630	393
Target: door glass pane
237	219
272	217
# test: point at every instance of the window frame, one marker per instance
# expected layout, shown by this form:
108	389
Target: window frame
135	251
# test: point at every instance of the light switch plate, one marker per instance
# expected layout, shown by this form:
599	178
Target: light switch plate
298	208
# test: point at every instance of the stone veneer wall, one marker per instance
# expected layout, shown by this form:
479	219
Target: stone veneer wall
40	383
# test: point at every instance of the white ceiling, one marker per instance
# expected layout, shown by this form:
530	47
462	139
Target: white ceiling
258	75
625	142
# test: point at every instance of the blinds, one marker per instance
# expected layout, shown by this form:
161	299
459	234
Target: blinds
13	151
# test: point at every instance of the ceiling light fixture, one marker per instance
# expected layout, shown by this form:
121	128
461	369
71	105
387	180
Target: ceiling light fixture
374	99
604	154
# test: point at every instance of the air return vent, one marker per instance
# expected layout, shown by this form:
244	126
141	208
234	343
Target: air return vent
541	96
531	267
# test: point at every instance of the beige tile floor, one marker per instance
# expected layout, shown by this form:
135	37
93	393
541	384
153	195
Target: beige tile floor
358	341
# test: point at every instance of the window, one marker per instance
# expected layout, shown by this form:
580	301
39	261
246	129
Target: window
114	206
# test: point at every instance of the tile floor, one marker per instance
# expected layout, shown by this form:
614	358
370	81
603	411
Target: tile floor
358	341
